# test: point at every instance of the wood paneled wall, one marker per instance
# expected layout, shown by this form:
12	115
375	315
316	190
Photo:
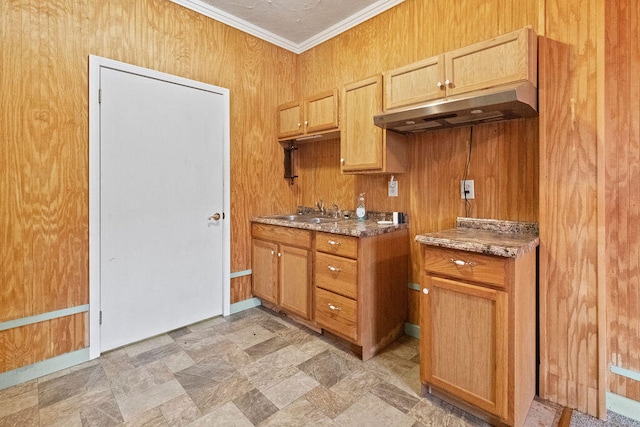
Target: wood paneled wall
570	309
44	143
622	194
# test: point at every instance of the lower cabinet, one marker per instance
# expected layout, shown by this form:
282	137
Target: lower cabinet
353	287
361	288
282	267
477	326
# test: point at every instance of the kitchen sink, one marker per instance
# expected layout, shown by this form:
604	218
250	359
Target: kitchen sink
306	218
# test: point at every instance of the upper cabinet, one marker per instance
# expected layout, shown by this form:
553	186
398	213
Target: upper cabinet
505	59
315	116
364	147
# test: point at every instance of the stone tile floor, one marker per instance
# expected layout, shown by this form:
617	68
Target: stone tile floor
250	368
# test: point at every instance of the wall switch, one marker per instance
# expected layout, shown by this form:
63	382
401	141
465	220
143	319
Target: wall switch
466	188
393	188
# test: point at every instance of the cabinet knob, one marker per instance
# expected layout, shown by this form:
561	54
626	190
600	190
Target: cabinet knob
306	122
440	85
279	254
447	83
462	263
425	291
334	269
299	124
334	308
342	161
334	243
272	252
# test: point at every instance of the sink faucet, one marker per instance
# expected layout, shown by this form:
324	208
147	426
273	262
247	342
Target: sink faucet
336	210
320	206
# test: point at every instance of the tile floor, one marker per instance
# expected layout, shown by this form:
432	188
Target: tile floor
251	368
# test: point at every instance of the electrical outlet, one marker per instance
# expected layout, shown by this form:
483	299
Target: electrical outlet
466	187
393	188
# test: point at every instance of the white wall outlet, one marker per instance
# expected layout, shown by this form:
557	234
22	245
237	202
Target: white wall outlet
393	188
466	188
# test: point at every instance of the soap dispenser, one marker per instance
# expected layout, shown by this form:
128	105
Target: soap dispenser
361	212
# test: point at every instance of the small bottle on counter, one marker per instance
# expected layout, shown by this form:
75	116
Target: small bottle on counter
361	212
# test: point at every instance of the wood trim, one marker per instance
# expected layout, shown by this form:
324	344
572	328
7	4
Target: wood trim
565	418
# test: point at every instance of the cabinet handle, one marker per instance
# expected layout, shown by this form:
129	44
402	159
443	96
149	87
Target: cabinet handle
425	291
299	124
279	254
334	269
447	83
334	243
440	85
306	122
272	252
334	308
462	263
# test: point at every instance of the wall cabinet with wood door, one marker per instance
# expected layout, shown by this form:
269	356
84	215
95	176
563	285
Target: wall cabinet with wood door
361	288
315	116
502	60
282	262
477	332
364	147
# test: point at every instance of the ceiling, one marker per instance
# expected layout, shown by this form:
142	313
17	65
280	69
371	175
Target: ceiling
295	25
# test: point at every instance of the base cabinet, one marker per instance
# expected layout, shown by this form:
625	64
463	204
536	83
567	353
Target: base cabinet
282	267
361	288
477	326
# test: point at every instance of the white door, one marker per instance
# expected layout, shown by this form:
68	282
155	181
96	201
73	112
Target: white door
161	184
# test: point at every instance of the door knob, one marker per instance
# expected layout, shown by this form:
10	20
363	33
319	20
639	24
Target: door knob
214	217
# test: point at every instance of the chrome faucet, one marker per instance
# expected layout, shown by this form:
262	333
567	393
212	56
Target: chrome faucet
336	210
321	208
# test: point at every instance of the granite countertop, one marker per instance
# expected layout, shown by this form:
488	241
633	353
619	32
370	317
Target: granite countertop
347	227
486	236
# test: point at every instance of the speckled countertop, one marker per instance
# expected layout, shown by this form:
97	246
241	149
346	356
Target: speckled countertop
486	236
347	227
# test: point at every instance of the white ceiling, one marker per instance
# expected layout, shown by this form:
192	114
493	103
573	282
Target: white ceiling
296	25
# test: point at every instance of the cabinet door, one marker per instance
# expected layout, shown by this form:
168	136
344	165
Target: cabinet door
504	59
290	117
321	112
463	342
414	83
361	142
264	269
295	280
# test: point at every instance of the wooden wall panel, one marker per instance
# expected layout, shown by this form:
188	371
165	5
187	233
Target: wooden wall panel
44	140
568	206
622	213
33	343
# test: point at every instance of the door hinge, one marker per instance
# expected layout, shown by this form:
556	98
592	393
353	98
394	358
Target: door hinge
101	317
99	96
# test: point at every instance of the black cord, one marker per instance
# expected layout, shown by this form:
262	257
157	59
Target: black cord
467	202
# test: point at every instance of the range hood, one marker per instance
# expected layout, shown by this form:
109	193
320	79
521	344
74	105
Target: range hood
491	105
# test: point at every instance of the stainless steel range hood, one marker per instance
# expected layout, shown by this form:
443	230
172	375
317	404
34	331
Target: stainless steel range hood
492	105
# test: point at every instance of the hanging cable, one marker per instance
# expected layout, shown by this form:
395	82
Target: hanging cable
467	202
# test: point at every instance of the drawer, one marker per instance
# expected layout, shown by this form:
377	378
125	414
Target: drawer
287	235
493	270
337	244
337	274
337	314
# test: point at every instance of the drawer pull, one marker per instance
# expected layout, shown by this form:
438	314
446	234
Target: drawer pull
334	243
425	291
334	308
334	269
462	263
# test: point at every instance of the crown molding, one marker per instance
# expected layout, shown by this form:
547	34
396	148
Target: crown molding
247	27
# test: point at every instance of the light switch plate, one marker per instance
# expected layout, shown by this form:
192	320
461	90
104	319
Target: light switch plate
466	186
393	188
